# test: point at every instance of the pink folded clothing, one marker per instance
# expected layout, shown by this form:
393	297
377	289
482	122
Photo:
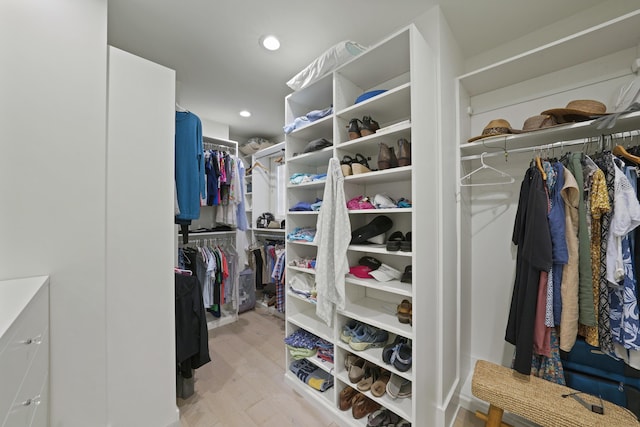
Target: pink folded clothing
360	202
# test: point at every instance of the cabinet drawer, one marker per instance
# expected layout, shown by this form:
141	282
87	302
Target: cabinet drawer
28	337
33	391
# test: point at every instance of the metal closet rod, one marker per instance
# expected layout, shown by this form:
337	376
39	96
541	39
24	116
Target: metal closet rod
206	144
559	144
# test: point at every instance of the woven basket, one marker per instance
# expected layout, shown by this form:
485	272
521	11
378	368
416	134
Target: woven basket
541	401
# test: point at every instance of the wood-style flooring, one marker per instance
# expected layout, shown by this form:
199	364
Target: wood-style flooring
244	383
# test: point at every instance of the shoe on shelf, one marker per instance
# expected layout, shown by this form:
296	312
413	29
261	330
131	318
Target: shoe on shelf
404	152
401	357
360	164
346	397
376	227
379	387
403	312
363	406
349	330
345	165
394	241
406	276
371	375
368	336
353	129
384	157
382	201
369	126
381	418
405	246
357	370
398	387
388	349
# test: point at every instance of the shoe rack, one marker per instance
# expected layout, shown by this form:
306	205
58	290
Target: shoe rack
400	65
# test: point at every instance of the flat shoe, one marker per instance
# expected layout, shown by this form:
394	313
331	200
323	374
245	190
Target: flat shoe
356	370
376	227
379	387
406	276
362	406
404	310
394	241
405	245
346	397
397	386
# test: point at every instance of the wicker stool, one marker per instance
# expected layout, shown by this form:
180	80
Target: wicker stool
539	401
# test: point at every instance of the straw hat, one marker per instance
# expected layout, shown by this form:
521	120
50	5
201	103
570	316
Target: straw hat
540	121
578	111
494	128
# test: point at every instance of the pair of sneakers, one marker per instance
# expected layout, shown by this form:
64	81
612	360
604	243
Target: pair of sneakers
361	336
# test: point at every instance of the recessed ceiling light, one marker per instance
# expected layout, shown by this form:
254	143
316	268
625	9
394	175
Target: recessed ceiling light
245	113
270	42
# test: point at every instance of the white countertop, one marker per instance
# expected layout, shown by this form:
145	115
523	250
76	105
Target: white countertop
15	294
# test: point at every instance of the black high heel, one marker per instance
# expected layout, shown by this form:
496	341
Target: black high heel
369	126
354	129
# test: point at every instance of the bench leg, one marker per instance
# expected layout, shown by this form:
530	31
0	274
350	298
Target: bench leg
494	418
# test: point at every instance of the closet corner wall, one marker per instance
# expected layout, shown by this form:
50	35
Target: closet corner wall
590	64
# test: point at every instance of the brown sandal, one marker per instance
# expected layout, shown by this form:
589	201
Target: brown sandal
379	387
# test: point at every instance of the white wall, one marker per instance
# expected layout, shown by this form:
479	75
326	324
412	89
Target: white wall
213	129
140	238
52	184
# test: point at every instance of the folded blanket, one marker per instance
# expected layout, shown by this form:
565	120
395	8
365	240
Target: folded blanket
311	374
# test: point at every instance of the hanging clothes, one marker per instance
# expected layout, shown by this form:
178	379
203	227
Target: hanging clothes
534	255
189	165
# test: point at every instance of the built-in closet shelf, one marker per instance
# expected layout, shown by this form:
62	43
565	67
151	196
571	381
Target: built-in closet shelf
321	126
269	230
380	211
378	249
387	135
303	212
375	355
598	41
306	185
381	314
558	135
398	174
291	294
311	323
303	270
315	159
392	286
323	397
325	365
400	406
194	235
387	108
301	242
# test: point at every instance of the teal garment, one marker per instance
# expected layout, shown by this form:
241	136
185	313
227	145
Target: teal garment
585	289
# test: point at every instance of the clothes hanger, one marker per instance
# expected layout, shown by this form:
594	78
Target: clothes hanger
483	166
181	109
620	151
540	168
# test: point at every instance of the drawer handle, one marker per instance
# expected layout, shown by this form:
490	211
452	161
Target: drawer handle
33	401
34	340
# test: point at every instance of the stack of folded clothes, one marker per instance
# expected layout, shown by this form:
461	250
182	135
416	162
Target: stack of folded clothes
311	374
303	178
303	344
306	206
302	233
325	350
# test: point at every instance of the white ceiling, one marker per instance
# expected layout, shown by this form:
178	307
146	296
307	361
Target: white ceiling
213	45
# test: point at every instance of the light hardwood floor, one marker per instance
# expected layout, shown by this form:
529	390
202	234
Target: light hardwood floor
244	384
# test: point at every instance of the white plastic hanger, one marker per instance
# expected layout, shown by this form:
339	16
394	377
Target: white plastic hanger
509	178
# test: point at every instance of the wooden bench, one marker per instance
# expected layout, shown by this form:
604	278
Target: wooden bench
539	401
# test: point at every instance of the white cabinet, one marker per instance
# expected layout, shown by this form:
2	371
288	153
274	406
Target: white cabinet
402	65
24	352
591	64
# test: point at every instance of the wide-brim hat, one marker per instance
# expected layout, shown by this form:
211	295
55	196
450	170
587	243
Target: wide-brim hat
579	110
494	128
539	122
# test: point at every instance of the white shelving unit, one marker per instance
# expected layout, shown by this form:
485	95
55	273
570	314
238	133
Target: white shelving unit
401	64
590	64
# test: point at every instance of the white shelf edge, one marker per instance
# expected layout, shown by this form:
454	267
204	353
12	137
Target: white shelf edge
380	211
379	98
378	249
393	286
302	269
